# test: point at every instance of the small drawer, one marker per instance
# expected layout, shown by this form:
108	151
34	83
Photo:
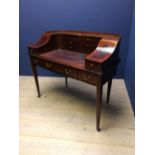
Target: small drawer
67	71
46	64
93	66
70	72
87	77
43	63
88	39
52	66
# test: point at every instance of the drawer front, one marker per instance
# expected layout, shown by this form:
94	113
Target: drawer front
78	43
59	68
93	66
87	77
88	39
67	71
43	63
87	44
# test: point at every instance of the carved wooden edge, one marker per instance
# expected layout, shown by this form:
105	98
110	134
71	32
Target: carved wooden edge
95	61
108	36
102	43
111	39
44	39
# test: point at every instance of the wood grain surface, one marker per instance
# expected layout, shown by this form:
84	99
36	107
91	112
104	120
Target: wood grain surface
62	120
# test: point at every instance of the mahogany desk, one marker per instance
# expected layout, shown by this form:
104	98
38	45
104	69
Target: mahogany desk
85	56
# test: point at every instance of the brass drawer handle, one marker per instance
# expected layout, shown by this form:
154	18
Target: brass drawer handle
70	44
91	65
48	65
67	71
87	77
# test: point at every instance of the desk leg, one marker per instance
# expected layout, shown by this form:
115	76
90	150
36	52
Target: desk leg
34	70
98	106
66	81
109	90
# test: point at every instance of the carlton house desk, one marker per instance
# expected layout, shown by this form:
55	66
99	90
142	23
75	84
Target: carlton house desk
86	56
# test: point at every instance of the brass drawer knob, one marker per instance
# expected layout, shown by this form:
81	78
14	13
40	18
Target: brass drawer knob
70	44
87	77
67	71
48	65
91	65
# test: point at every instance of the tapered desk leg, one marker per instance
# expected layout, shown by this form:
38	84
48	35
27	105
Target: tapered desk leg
109	90
98	106
66	81
34	70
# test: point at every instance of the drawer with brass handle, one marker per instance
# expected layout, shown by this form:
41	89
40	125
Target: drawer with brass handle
43	63
87	77
71	72
67	71
49	65
92	66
